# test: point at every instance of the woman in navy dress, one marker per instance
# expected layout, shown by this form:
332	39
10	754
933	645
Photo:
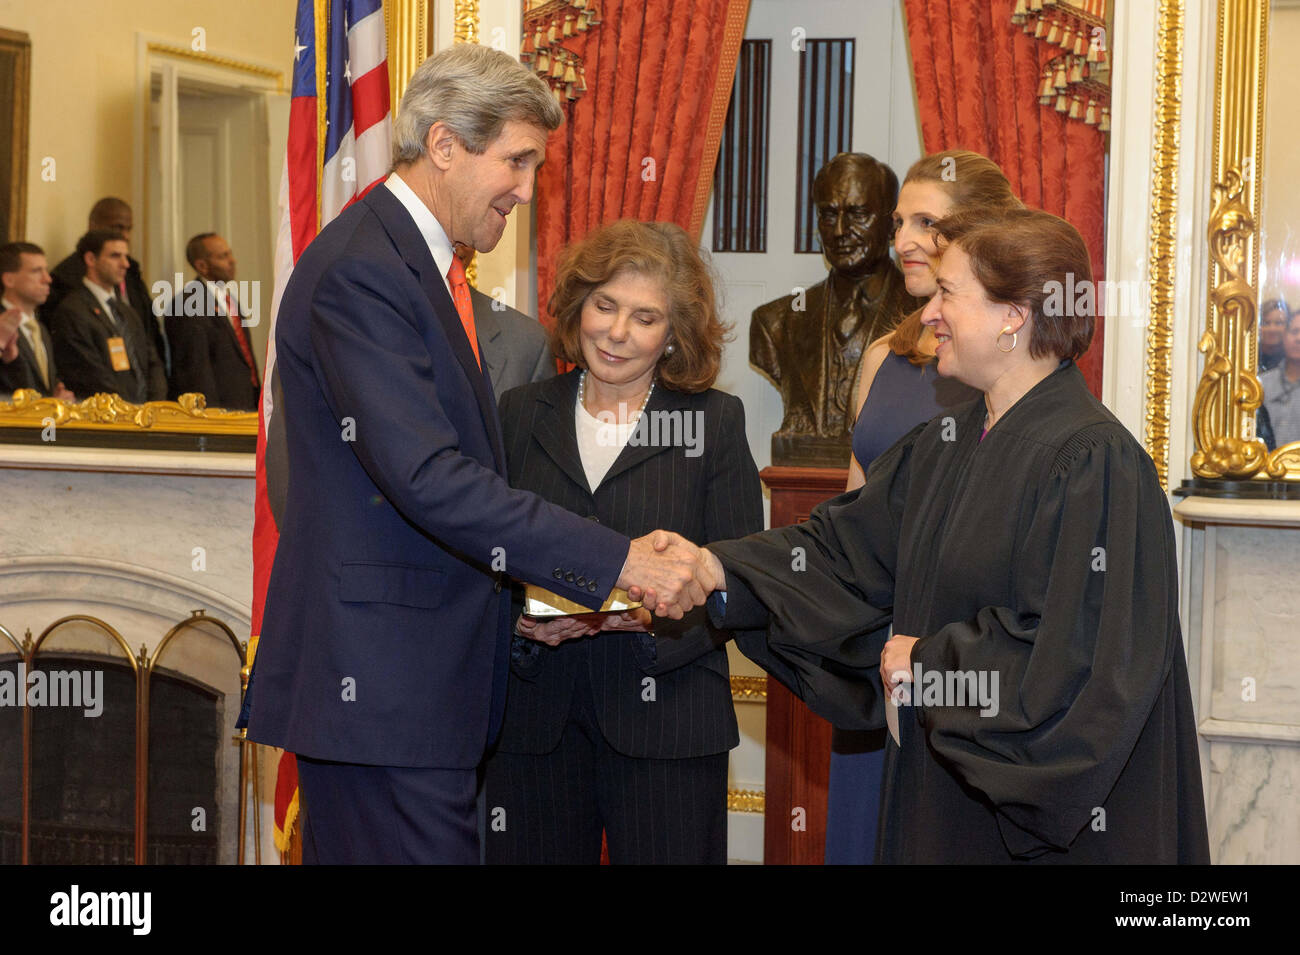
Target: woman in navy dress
898	388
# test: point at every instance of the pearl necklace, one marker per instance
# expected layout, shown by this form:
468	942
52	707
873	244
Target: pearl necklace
582	395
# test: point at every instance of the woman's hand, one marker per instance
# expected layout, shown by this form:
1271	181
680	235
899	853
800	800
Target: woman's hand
896	662
639	619
556	631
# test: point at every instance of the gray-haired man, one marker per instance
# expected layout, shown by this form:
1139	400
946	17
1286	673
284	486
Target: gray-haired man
384	647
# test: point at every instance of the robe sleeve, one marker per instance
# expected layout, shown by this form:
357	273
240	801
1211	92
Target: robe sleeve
1080	659
817	598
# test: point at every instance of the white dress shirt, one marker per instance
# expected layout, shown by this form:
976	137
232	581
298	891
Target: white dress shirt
440	246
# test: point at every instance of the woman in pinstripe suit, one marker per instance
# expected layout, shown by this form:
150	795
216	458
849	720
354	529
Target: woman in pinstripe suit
625	732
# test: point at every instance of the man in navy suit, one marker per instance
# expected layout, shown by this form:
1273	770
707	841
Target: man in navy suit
26	351
384	649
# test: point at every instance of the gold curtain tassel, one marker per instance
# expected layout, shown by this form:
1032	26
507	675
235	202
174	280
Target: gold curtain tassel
1076	108
543	62
570	74
1090	116
1062	103
1104	125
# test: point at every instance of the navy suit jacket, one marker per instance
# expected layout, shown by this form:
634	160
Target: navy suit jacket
385	634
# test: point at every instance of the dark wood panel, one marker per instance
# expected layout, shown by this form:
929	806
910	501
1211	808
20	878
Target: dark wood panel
798	752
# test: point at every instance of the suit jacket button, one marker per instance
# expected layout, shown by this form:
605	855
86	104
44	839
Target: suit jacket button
569	577
582	581
592	586
557	574
496	585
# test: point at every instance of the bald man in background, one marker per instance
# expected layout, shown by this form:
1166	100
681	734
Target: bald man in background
109	214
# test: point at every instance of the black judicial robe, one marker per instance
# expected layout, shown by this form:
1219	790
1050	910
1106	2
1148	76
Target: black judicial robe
1042	557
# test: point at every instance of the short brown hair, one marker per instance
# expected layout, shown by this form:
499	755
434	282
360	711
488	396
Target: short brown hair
11	254
1018	255
972	183
661	250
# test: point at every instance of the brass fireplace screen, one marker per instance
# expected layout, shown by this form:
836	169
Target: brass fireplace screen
76	790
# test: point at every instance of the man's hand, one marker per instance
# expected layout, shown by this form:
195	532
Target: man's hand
10	319
62	393
667	572
556	631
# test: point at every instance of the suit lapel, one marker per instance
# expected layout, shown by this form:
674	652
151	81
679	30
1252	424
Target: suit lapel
96	311
489	330
654	425
415	252
28	358
554	427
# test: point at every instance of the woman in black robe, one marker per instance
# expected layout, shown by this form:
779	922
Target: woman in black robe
1023	548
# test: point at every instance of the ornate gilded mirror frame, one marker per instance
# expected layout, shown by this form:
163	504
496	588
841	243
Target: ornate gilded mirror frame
1229	394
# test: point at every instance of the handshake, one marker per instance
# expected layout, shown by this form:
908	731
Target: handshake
667	572
663	570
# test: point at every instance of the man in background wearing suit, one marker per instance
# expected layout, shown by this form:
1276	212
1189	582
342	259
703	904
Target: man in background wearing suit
211	351
384	649
26	358
514	347
100	342
110	214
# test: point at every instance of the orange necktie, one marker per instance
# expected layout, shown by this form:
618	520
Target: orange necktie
464	307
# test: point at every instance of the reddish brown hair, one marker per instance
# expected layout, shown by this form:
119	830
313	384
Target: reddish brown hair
660	250
972	182
1024	257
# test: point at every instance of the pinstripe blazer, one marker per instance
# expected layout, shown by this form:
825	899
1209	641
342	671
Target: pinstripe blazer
706	491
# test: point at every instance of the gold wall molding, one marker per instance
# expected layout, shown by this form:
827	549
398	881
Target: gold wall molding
749	689
746	800
465	21
1229	394
230	63
104	412
1162	248
406	23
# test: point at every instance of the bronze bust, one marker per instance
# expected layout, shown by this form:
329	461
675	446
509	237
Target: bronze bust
810	342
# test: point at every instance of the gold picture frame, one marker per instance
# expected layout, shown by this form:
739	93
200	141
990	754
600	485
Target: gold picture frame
1229	393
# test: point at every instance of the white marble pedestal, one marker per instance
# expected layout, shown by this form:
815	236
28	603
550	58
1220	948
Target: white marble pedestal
1241	603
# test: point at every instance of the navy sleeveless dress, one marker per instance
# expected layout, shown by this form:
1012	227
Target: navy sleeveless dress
902	396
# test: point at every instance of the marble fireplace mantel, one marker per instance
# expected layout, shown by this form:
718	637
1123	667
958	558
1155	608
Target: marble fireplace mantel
139	539
1241	606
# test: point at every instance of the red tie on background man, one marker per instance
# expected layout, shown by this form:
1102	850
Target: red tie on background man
232	312
464	307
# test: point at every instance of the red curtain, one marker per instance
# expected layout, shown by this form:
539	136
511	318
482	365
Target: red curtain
642	141
977	77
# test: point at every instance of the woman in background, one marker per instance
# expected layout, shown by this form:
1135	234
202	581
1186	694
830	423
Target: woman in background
625	732
898	388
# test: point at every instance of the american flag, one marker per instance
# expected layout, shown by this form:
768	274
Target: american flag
340	129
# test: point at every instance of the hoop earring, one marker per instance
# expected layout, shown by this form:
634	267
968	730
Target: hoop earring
1015	339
